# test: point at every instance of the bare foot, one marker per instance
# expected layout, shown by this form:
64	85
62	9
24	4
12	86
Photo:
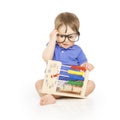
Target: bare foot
47	99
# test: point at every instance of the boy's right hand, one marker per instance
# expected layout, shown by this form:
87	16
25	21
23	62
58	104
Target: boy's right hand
53	35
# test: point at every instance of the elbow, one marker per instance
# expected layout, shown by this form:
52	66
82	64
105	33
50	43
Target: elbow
45	58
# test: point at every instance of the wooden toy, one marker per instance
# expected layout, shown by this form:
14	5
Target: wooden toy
64	80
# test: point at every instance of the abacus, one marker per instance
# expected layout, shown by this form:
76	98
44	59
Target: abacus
65	80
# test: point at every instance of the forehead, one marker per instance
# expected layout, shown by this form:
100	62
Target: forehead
64	30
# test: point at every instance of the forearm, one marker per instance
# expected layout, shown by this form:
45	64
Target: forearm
49	51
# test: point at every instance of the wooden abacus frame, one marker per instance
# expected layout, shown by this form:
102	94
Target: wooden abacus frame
50	84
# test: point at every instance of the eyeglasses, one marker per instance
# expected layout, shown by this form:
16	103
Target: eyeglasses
71	37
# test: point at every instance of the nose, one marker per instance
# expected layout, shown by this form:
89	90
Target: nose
66	39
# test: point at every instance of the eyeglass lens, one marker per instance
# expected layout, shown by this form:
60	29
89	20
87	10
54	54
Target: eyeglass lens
71	37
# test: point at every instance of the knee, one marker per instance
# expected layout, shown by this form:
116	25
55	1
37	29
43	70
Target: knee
38	84
90	87
91	84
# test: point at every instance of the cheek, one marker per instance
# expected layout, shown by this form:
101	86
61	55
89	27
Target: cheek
72	43
59	40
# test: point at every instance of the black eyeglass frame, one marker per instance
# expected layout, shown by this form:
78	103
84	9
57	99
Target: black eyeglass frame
67	36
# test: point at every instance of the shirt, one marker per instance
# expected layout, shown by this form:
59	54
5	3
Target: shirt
73	55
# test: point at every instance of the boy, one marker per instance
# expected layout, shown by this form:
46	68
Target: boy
61	47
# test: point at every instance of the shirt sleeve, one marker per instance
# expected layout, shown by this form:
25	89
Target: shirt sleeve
81	57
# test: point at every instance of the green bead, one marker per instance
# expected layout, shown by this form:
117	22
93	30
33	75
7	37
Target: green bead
77	83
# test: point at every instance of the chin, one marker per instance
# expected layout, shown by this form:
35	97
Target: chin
65	46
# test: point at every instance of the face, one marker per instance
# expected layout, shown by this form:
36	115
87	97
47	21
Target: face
66	39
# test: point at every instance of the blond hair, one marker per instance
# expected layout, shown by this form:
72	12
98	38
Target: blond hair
67	19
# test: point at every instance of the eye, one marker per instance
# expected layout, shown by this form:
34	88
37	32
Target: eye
62	36
71	36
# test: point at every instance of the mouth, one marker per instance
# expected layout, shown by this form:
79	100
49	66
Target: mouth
65	45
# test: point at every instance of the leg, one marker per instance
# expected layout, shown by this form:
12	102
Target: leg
38	86
51	99
45	98
90	87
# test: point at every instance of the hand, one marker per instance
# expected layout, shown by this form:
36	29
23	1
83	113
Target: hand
53	35
88	66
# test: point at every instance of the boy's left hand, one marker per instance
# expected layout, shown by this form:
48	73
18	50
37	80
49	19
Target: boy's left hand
88	66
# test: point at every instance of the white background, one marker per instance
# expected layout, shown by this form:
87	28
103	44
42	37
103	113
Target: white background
24	31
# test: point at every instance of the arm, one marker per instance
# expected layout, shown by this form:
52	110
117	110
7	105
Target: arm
49	50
